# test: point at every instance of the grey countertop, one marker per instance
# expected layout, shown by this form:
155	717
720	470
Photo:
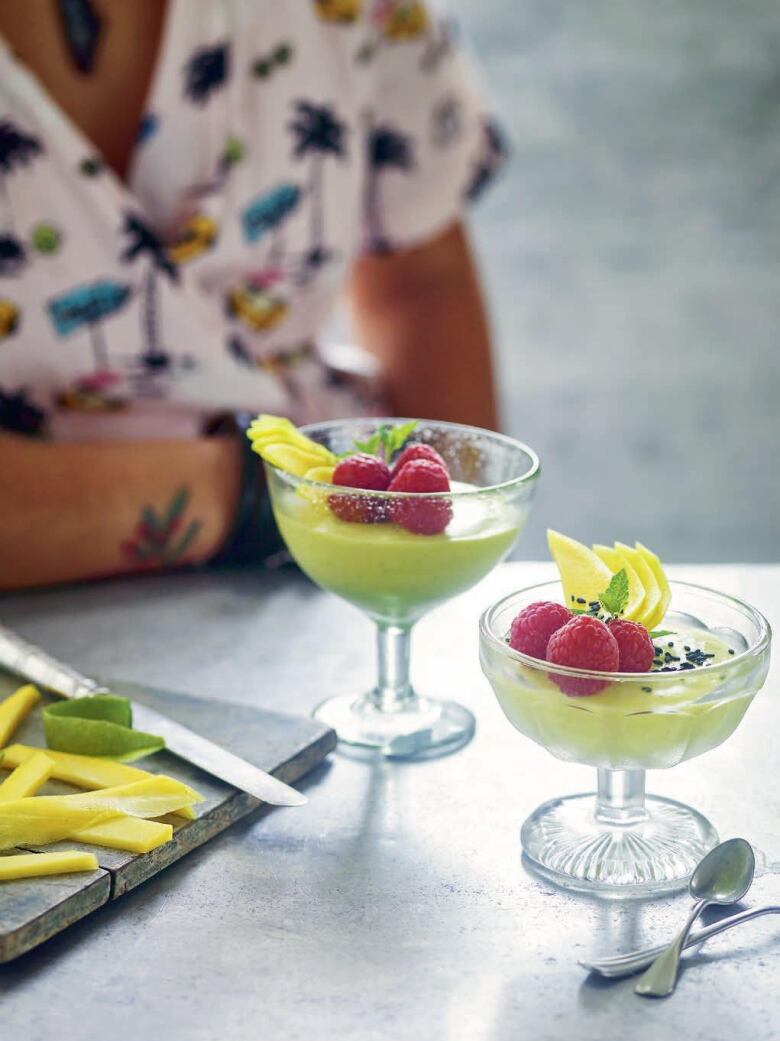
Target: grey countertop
394	905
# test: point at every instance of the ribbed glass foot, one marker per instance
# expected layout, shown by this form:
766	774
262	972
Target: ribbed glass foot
423	728
633	852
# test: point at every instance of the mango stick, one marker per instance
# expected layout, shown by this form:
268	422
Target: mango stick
31	865
85	771
27	778
128	833
14	709
49	818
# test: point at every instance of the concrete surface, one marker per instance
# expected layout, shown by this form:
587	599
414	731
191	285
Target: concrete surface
394	905
632	256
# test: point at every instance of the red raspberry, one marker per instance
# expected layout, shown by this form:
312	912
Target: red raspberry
418	451
634	644
583	643
421	516
532	628
360	471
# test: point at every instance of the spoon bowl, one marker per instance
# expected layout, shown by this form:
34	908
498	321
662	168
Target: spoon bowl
725	874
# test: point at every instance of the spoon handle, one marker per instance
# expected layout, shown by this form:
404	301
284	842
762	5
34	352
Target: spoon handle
661	978
618	965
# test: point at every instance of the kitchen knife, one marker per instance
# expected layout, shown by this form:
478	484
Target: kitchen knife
35	665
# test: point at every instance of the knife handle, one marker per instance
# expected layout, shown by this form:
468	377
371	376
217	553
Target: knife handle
31	663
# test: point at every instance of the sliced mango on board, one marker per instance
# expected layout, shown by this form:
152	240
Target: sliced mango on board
42	819
132	834
652	611
85	771
636	591
27	778
14	709
33	865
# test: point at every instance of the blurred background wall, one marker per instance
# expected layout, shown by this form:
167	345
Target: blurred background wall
632	257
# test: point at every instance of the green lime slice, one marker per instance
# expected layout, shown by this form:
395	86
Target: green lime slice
100	725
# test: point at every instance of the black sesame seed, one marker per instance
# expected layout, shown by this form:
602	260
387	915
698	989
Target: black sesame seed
572	598
668	668
581	600
670	657
686	665
647	690
686	648
670	644
657	650
731	652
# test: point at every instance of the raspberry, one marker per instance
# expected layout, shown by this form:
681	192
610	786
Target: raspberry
634	644
360	471
418	451
532	628
421	516
583	643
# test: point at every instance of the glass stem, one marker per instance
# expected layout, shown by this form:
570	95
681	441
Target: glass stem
620	798
393	692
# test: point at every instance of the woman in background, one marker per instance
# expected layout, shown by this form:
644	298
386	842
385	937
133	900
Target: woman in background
186	189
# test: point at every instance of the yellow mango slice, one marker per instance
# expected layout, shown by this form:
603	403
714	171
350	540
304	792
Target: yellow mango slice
280	442
655	565
323	474
636	591
49	818
33	865
128	833
27	778
291	459
14	709
583	575
649	615
85	771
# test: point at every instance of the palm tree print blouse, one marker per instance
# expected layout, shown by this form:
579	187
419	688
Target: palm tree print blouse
280	141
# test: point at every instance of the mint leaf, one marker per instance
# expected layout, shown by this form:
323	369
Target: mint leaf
656	634
615	596
398	436
390	439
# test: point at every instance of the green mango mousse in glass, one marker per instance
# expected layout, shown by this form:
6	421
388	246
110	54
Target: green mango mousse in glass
710	657
395	553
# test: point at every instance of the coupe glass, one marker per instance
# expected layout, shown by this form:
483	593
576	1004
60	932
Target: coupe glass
619	841
395	575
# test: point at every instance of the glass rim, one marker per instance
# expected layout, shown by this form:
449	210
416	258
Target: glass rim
530	474
488	633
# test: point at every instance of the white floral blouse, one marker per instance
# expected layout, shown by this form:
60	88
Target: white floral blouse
280	140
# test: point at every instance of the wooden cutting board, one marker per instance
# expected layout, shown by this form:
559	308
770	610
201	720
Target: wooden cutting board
32	910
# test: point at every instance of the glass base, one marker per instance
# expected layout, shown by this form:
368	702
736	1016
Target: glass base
654	853
422	729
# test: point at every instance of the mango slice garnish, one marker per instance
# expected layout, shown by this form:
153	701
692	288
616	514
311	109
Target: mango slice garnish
34	865
585	573
15	708
636	591
132	834
649	614
280	443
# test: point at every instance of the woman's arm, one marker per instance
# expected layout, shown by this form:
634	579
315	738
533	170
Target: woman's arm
421	313
75	511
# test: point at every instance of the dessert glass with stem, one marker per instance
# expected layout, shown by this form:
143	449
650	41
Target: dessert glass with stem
395	575
620	841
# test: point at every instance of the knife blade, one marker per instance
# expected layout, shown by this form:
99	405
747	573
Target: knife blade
33	664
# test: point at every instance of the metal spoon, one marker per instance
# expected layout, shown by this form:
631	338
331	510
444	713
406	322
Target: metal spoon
722	877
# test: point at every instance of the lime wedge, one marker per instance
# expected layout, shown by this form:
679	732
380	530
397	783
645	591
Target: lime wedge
100	725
